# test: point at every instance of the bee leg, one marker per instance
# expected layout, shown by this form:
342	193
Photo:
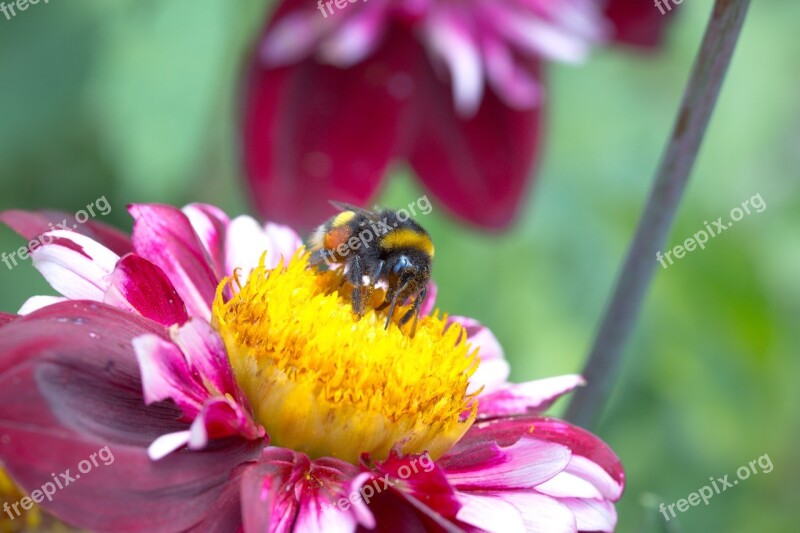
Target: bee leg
391	312
377	273
394	303
318	257
356	276
414	311
369	288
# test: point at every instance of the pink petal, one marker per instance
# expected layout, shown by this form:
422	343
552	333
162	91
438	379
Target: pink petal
356	37
210	223
493	370
74	265
490	514
220	418
163	235
247	241
487	466
292	36
206	354
31	224
592	460
194	372
510	78
315	514
69	386
609	478
448	35
34	303
139	286
534	36
166	444
583	479
307	139
481	167
592	515
540	513
266	504
533	396
167	375
287	492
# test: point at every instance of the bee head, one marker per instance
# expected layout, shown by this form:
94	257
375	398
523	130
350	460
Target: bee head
407	276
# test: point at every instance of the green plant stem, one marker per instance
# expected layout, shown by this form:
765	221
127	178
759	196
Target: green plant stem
702	91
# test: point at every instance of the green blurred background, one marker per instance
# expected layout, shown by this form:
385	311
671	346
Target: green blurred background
135	100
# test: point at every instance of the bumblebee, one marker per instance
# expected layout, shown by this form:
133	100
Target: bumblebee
384	245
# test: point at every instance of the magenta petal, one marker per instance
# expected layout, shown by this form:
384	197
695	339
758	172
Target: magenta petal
307	138
266	505
69	386
206	354
74	265
225	515
166	374
288	492
31	224
583	444
164	235
395	513
194	372
480	168
426	481
506	431
531	397
139	286
210	223
6	318
523	465
636	22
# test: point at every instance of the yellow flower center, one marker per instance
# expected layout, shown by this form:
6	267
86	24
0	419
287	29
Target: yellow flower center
324	382
19	519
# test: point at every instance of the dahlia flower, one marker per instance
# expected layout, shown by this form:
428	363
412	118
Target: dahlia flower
236	390
334	94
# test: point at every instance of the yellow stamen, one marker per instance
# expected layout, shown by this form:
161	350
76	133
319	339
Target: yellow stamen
324	382
11	494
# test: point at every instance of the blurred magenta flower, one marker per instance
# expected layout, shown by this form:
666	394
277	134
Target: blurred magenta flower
453	88
236	389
